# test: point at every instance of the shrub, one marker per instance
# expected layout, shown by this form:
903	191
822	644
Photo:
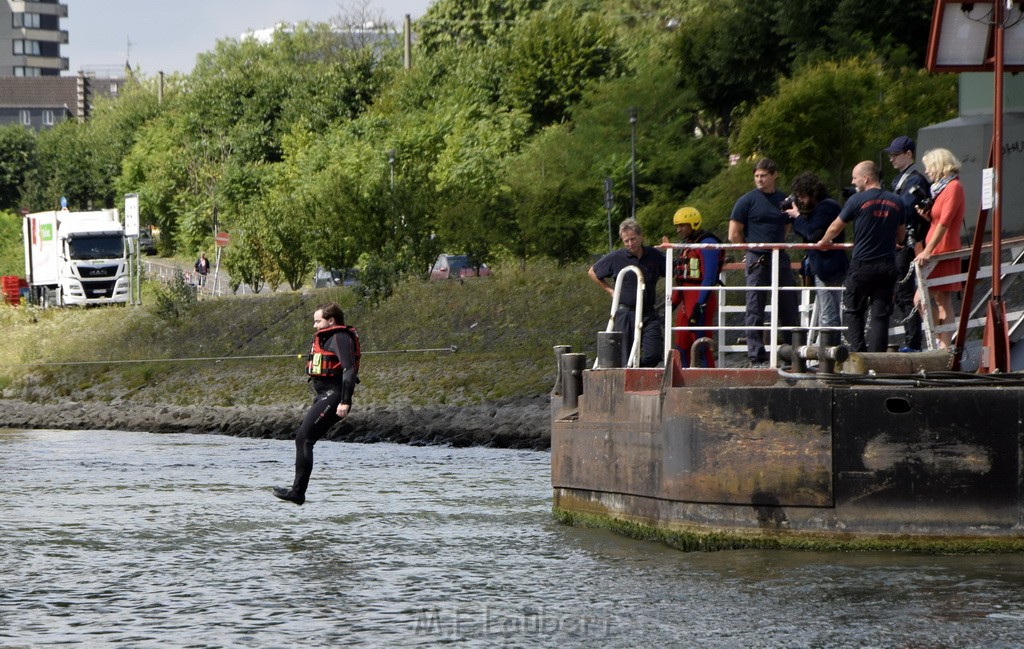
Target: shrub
176	299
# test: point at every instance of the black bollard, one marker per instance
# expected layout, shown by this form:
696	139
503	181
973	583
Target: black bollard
609	349
559	350
572	378
826	340
798	364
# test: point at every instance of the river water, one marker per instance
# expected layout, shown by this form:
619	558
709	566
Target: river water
140	540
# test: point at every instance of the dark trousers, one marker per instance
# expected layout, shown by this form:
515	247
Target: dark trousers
904	299
869	285
318	420
759	273
652	338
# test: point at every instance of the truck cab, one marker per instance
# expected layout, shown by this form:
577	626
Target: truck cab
76	258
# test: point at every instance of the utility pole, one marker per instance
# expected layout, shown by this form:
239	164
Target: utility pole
407	42
632	162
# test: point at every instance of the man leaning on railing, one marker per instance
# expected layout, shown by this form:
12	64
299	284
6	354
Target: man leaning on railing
651	263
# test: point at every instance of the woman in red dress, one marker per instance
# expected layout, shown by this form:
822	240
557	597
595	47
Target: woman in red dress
947	220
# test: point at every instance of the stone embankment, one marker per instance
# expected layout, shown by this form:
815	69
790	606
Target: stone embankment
519	423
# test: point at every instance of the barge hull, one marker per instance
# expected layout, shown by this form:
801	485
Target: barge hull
752	459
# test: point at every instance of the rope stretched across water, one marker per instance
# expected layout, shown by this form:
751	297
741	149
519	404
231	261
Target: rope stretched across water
451	349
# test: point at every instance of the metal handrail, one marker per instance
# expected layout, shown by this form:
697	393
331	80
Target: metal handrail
634	351
1007	270
773	288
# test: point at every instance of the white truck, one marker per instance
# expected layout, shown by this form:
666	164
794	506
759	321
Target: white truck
76	258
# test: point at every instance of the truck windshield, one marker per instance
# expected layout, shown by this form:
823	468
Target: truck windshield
107	246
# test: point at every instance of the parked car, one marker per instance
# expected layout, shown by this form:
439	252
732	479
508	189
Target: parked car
457	267
328	277
146	243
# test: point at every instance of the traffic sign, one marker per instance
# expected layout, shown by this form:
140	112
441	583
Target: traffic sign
221	239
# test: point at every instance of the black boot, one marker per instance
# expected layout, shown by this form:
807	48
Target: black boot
287	494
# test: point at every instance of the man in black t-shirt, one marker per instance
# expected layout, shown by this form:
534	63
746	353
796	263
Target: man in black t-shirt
878	224
651	263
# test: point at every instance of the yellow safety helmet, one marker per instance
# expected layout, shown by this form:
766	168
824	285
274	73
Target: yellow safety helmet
688	215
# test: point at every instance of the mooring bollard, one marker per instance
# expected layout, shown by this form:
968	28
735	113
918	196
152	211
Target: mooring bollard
609	348
827	340
559	350
797	362
572	378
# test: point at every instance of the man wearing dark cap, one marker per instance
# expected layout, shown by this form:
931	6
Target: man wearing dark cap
901	155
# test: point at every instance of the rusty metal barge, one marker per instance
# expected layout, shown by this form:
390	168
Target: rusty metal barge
825	450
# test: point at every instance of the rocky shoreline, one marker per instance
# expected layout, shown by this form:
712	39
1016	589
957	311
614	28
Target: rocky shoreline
516	423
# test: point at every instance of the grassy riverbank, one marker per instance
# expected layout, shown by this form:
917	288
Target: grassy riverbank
504	327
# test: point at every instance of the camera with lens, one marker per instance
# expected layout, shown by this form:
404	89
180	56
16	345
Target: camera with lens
848	192
922	199
788	202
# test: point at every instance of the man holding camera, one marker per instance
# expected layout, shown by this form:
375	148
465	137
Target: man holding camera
812	214
908	179
878	225
757	218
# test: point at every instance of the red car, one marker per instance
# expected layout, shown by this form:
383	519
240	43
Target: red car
456	267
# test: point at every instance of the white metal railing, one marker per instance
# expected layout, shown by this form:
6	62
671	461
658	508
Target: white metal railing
806	308
634	351
165	274
1009	272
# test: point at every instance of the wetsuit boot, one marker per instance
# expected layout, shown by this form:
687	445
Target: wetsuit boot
288	494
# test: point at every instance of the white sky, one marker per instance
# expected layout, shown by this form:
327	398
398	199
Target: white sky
166	35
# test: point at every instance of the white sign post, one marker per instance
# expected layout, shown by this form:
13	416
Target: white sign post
131	230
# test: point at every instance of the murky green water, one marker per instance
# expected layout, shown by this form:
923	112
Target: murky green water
140	540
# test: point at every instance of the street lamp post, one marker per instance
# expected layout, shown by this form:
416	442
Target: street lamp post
391	163
632	162
609	204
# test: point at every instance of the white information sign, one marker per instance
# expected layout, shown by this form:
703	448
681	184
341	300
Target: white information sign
131	215
988	181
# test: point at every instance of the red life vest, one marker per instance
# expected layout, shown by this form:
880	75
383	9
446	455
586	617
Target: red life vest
689	268
322	361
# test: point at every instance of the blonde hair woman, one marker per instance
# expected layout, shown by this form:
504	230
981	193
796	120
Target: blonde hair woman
947	220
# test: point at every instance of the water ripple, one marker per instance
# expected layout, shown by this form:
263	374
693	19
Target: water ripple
139	540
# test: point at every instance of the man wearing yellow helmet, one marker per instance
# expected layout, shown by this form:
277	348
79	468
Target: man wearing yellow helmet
694	267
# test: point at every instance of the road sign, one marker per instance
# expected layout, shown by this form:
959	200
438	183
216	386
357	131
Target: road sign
131	215
221	239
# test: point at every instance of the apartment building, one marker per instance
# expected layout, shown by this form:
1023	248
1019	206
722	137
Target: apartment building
31	38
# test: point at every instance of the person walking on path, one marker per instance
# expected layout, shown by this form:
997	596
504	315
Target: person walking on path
333	369
202	269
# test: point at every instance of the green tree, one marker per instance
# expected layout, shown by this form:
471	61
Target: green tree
469	22
66	167
12	255
830	116
550	58
730	54
17	157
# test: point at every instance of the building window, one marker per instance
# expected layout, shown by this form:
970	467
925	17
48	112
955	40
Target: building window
23	71
30	21
48	117
28	48
26	117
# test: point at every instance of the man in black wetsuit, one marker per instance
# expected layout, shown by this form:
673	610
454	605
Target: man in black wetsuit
333	369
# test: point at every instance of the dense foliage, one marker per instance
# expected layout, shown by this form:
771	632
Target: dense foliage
317	150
